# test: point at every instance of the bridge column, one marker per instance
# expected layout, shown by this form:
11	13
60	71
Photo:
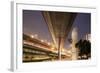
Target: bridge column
60	46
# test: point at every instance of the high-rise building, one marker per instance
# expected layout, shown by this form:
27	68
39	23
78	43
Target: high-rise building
88	37
74	41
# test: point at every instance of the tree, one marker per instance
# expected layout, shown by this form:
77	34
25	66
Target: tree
84	47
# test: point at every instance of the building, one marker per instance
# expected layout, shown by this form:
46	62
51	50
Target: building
87	37
74	41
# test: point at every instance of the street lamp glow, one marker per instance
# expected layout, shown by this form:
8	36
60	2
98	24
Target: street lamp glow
32	36
48	43
63	50
52	48
69	51
42	40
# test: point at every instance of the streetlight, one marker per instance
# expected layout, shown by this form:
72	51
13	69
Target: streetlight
63	50
32	36
48	43
69	51
52	48
42	40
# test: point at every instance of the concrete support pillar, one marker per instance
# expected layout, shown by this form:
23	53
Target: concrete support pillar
60	46
74	52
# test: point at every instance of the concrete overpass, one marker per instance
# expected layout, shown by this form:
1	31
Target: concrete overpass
59	24
35	50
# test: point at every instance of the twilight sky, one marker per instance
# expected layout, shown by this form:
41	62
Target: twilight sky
33	23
